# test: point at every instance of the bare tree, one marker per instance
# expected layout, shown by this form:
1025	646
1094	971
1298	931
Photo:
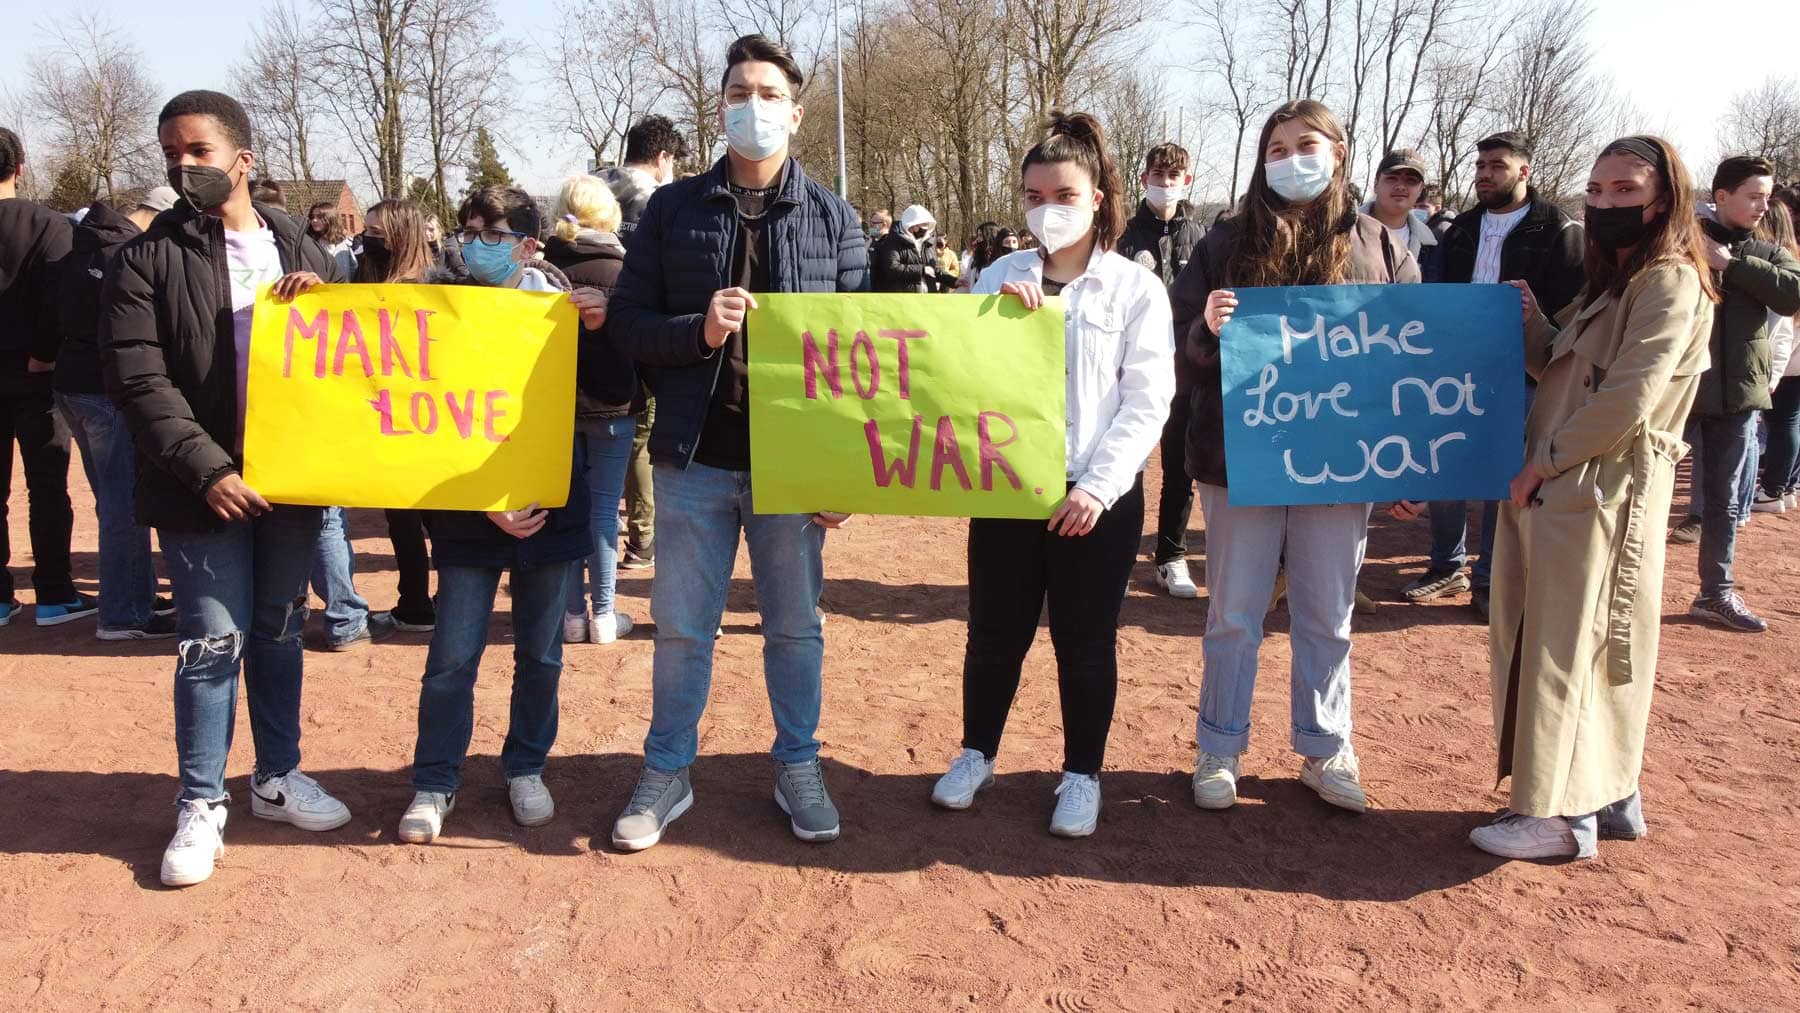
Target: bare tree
275	84
803	26
460	86
603	80
1061	42
1130	107
1236	71
1551	94
689	59
1300	31
89	85
1765	120
364	70
963	36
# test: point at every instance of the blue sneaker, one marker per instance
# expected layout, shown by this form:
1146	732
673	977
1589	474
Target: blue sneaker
8	610
55	615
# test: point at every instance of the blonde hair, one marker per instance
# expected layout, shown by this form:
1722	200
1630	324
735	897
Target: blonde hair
586	202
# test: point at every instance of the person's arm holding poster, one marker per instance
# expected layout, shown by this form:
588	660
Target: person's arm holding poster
1146	386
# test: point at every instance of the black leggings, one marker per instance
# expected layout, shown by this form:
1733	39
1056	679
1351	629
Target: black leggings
1014	566
406	529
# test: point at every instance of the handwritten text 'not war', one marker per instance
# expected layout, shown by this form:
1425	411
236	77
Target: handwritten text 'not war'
350	347
1389	457
865	369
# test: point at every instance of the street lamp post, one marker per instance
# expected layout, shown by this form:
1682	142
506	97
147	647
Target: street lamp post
837	37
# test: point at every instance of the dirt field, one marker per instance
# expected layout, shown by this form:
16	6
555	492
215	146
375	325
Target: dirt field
1282	902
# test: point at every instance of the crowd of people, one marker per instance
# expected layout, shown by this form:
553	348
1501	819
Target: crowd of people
1651	317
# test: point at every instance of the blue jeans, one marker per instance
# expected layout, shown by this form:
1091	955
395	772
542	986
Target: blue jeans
334	581
608	457
1718	471
1781	462
699	512
1449	538
127	572
240	595
1323	548
465	602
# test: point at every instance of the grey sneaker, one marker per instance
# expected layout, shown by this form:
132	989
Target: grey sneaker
658	801
1687	532
800	792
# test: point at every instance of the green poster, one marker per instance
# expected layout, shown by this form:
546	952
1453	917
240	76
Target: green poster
940	405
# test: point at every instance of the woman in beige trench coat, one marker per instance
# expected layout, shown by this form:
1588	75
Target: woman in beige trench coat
1577	589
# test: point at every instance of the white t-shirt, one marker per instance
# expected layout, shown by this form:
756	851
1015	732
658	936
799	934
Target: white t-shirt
251	261
1402	237
1494	230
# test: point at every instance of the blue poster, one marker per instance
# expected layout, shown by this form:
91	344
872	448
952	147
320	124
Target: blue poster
1373	393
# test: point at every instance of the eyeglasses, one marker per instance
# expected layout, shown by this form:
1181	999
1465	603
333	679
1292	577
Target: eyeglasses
735	102
488	237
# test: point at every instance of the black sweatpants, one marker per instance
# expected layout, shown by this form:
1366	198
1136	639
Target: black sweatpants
1014	566
406	529
28	417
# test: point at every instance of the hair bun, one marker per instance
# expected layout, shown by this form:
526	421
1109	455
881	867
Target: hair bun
1078	126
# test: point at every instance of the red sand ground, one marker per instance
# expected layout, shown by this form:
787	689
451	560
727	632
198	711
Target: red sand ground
1280	903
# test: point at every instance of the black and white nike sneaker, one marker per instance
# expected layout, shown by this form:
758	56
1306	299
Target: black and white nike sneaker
295	798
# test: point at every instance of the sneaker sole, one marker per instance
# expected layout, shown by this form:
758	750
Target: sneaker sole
60	620
424	834
1722	622
1528	855
650	840
413	628
317	825
536	821
958	805
119	636
1215	804
349	645
1175	592
190	879
1444	592
812	836
1349	803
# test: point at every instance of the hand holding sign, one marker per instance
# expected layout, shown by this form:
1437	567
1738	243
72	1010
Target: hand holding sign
232	500
1029	292
290	285
1220	305
1530	301
591	304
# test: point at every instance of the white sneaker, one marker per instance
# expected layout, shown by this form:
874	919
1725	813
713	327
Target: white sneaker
1175	578
198	842
1337	780
1515	835
532	805
1215	781
969	773
295	798
424	819
575	628
1077	806
1791	500
1766	504
607	627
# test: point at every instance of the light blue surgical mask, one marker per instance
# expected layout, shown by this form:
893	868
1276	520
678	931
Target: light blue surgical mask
1301	178
490	265
758	129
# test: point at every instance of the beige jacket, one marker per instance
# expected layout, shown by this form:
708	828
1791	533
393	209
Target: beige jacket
1577	581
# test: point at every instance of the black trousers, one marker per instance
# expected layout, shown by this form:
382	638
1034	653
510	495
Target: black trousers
1177	501
406	529
28	417
1014	567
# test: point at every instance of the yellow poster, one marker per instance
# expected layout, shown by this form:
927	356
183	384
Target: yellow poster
442	397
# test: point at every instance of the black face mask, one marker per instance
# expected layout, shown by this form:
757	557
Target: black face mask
375	251
1616	228
202	186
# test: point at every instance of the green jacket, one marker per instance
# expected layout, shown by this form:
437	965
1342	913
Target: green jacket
1762	277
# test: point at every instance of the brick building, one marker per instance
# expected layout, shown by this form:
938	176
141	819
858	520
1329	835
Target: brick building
298	196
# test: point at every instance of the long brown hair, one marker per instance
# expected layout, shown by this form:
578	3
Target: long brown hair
409	252
1674	236
1279	243
1077	138
1778	227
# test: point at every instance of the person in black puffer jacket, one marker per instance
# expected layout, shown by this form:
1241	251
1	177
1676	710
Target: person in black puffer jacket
500	226
127	571
905	260
608	400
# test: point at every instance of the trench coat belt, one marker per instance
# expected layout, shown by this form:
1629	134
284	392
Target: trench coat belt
1651	448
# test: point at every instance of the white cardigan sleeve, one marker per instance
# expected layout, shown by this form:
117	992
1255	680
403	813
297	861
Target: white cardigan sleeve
1146	387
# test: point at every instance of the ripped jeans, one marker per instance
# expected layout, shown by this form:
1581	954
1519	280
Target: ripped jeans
240	594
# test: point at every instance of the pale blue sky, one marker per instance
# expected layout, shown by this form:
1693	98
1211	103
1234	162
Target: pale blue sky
1656	50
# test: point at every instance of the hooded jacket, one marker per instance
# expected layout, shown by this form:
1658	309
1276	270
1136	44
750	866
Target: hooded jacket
1761	278
78	281
33	239
606	379
898	263
1545	250
169	358
632	189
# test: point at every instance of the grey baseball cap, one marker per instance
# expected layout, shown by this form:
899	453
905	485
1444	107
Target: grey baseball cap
158	198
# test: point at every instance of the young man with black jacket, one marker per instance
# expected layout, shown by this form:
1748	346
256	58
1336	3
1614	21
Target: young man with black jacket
1510	235
1161	236
33	240
129	609
754	223
174	346
1756	278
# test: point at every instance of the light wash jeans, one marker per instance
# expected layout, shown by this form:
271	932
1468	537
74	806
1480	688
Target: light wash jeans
240	596
334	581
699	512
608	458
127	573
1244	549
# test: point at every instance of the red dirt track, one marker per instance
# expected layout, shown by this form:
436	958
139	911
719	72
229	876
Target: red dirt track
1281	903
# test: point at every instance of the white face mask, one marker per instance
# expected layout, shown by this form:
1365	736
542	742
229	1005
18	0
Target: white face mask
1301	178
1059	226
759	129
1162	199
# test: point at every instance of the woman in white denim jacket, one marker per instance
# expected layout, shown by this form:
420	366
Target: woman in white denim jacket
1120	347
